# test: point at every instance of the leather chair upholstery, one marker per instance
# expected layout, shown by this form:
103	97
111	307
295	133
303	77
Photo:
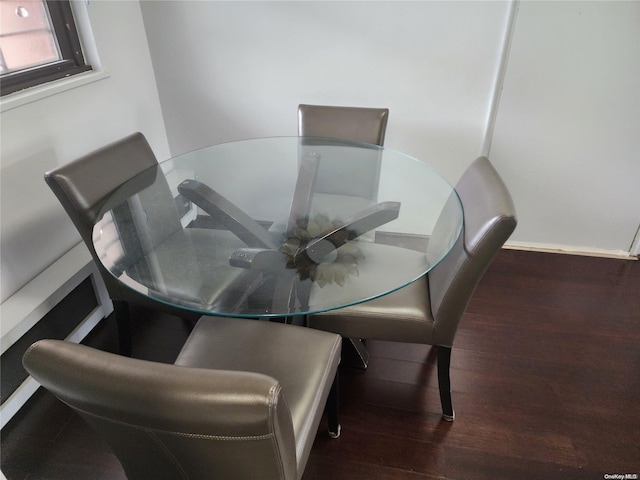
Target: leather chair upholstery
429	310
83	187
244	399
349	186
367	125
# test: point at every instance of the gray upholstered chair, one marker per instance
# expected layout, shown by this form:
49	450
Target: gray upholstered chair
244	399
352	185
428	310
360	124
83	187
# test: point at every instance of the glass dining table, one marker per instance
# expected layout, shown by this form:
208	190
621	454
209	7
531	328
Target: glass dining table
278	227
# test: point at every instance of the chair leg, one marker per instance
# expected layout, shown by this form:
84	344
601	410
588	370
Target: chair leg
444	383
123	321
332	410
354	353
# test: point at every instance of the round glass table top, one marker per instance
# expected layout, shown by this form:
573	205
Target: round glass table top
278	226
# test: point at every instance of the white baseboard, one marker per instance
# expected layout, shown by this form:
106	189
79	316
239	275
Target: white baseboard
571	250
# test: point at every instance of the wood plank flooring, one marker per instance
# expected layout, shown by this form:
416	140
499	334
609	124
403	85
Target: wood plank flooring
545	375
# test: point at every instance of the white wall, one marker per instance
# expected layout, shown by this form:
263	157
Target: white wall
38	136
232	70
566	138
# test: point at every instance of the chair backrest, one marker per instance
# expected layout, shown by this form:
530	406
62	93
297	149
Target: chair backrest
489	220
167	422
367	125
83	187
360	175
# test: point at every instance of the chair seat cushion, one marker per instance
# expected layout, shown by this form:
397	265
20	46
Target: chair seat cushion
303	360
189	265
401	316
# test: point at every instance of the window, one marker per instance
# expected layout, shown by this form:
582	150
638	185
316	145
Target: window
38	43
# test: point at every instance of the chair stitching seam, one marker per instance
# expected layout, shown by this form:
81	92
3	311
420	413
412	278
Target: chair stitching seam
272	403
179	434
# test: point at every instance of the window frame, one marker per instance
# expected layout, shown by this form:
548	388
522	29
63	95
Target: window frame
72	63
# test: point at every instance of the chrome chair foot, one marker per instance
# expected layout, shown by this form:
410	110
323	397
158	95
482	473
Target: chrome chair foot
355	353
449	418
335	434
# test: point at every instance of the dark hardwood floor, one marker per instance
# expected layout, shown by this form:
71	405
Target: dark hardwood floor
545	377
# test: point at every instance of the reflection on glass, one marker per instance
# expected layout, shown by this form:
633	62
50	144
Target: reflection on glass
333	267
